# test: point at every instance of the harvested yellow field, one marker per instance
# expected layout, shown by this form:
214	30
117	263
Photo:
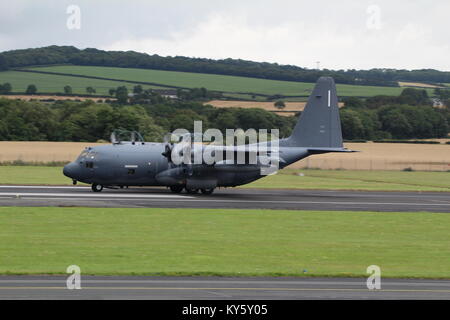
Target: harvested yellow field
372	156
269	106
41	151
290	110
383	156
417	84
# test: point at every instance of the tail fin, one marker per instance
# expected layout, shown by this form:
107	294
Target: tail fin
319	125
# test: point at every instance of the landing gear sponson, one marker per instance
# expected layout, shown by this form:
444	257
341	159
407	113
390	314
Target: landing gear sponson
179	189
175	189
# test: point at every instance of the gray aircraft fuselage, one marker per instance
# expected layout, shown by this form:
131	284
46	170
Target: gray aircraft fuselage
144	164
138	164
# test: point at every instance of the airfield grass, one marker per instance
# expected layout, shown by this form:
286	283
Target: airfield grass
216	82
356	180
42	175
285	179
223	242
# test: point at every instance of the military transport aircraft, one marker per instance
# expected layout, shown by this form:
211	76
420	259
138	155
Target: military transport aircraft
139	163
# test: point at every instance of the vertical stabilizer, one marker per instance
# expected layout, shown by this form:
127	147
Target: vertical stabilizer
319	125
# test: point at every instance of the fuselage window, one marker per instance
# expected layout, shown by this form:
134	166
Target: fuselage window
131	171
89	164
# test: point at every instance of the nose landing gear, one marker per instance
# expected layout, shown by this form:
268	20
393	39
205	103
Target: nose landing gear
176	189
96	187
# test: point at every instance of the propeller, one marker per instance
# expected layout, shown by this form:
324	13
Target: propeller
167	152
168	147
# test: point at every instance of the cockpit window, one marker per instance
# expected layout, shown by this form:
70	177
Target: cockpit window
83	155
87	155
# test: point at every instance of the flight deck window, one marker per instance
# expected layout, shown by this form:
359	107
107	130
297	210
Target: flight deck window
89	164
82	155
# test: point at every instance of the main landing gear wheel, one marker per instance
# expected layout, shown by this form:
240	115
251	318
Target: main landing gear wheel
97	187
191	191
207	191
176	189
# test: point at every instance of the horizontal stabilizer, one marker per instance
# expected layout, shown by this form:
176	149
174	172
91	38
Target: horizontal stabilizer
326	150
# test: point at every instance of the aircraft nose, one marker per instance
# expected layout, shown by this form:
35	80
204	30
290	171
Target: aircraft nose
70	170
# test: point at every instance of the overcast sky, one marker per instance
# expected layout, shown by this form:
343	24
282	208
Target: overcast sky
340	34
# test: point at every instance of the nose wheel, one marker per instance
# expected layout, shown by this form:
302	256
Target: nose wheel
176	189
96	187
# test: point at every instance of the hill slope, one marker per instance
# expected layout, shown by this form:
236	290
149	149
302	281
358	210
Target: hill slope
237	67
103	78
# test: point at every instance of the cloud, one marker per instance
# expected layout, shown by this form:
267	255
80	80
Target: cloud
300	43
412	34
221	36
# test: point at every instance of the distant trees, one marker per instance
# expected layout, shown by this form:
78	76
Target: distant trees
138	89
407	116
89	121
197	94
31	89
443	95
72	121
139	96
279	104
352	127
5	88
274	97
27	121
414	97
237	67
122	94
410	96
353	102
395	122
3	63
68	90
90	90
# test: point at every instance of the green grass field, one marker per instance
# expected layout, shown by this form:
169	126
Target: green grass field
55	83
312	179
357	180
216	82
223	242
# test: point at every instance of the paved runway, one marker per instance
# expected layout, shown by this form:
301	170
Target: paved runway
226	198
211	288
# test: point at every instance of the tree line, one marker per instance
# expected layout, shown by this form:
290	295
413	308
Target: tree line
90	121
237	67
408	116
